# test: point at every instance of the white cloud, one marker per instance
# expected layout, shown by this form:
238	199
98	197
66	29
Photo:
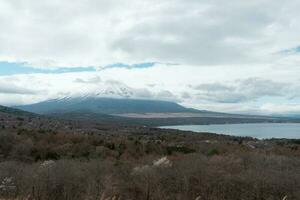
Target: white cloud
54	33
243	90
13	89
92	80
272	108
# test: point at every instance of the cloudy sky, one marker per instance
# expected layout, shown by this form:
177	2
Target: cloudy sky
232	56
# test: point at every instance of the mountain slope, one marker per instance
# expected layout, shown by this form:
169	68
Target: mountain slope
105	106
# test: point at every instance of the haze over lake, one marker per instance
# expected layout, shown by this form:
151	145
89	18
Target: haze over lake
257	130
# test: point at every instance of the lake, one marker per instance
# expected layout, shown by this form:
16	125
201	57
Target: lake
257	130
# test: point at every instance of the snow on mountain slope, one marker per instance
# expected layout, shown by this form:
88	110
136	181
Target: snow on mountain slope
116	89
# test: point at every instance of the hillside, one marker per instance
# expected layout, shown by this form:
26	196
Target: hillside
16	120
13	111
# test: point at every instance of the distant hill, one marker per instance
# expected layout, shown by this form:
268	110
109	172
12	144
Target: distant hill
14	111
105	106
15	120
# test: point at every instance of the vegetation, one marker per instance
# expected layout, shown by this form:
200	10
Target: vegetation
41	158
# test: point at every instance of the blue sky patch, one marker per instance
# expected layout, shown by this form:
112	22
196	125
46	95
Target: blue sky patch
291	50
8	68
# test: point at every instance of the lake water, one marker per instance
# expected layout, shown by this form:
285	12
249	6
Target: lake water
260	130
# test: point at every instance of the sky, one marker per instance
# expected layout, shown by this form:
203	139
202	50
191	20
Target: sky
229	56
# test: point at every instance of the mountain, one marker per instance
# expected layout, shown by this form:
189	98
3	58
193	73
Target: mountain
105	106
137	112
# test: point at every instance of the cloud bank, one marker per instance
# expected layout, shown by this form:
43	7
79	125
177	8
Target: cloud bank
56	33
